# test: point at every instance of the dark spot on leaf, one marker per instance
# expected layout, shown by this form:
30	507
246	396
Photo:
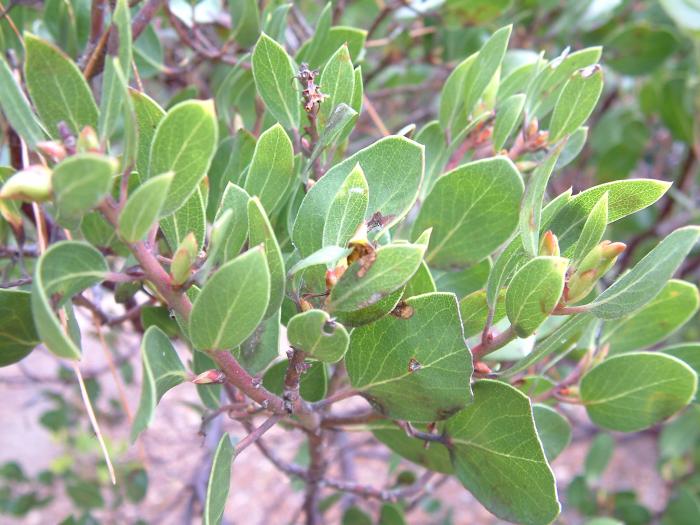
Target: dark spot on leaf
413	365
403	310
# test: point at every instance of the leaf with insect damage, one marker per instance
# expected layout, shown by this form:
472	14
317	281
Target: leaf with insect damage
416	366
375	275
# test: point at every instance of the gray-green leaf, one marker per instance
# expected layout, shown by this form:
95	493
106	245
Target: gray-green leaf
534	292
80	182
576	102
274	80
184	143
57	87
360	287
261	233
271	172
418	367
232	303
219	481
634	391
162	370
498	457
66	268
472	210
348	209
143	206
648	277
318	336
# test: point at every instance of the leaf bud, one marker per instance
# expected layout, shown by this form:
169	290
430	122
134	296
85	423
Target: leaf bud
593	266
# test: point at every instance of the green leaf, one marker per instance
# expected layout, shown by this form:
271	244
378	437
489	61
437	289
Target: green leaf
337	80
262	347
162	370
689	353
136	485
219	481
318	336
371	313
436	457
422	282
451	116
261	233
593	230
534	292
674	306
245	17
360	287
416	368
190	218
647	278
553	429
232	303
336	37
274	80
562	337
624	198
508	115
463	282
390	195
228	165
337	128
111	101
236	200
315	43
473	210
485	66
576	102
475	311
329	255
148	116
634	391
80	182
15	106
639	48
210	394
122	19
143	206
312	385
184	143
271	172
66	268
498	457
433	139
57	87
18	336
348	209
598	457
531	209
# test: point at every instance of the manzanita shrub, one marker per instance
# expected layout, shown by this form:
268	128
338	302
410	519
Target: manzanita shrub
434	275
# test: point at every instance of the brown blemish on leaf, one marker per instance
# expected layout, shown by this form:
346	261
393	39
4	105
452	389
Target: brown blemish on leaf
403	310
413	365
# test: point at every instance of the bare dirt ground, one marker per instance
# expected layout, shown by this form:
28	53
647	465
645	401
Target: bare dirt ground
176	457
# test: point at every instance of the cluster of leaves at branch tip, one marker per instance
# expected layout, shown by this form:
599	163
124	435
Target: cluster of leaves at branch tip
414	266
